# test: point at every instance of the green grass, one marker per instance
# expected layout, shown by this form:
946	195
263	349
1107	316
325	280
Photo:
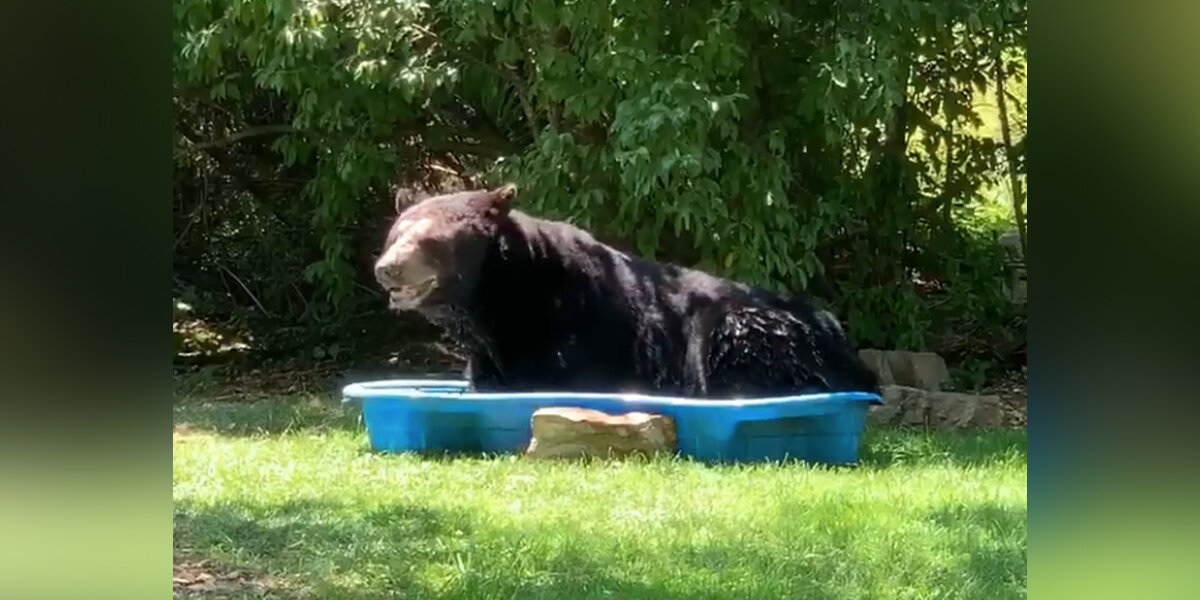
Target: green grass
290	490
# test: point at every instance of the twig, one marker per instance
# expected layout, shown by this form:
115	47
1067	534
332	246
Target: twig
300	295
248	292
372	291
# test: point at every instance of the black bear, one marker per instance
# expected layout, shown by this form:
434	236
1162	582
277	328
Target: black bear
543	306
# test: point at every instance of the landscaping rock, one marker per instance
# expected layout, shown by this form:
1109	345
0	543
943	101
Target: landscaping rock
569	432
1018	283
949	410
902	405
922	370
877	360
905	405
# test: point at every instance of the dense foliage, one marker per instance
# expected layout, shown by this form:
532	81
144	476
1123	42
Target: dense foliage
834	146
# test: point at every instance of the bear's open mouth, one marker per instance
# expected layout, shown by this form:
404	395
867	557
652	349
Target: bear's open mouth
409	296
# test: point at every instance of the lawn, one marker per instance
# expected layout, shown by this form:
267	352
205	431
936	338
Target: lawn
282	498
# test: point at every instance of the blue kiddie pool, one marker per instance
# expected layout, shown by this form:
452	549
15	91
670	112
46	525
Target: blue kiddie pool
421	416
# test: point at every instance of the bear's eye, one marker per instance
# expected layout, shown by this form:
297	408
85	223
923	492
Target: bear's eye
434	249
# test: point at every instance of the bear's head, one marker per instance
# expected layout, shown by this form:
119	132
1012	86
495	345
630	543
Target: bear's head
435	249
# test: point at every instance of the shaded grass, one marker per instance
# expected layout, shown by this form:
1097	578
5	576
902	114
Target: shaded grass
289	489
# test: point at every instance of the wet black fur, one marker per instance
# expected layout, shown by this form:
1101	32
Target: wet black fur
552	308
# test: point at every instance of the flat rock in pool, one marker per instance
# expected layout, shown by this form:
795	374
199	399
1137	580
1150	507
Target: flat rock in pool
568	432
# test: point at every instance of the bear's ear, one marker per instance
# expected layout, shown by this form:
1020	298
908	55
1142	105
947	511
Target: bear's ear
500	199
407	196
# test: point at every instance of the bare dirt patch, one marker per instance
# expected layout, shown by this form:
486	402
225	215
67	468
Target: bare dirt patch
202	578
235	381
1014	397
184	432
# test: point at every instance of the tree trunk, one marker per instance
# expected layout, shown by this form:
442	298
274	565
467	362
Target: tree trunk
1018	194
948	175
894	178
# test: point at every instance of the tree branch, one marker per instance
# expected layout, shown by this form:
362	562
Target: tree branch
250	132
518	86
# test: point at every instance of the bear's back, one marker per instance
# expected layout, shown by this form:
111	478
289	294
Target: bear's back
565	311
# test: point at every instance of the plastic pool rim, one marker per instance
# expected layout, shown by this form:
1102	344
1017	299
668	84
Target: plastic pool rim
411	389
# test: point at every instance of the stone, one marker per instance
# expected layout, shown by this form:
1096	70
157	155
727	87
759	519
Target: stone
1019	293
905	405
877	361
902	405
1017	283
922	370
570	432
951	410
1011	242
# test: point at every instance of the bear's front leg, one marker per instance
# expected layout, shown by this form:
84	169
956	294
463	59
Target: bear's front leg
482	374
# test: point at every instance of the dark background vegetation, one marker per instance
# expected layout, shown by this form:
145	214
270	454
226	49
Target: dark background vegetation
868	152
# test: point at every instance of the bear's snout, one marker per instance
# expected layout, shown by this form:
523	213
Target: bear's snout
406	276
402	264
395	275
389	274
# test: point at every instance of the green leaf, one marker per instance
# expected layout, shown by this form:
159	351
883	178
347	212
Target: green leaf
838	76
974	23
